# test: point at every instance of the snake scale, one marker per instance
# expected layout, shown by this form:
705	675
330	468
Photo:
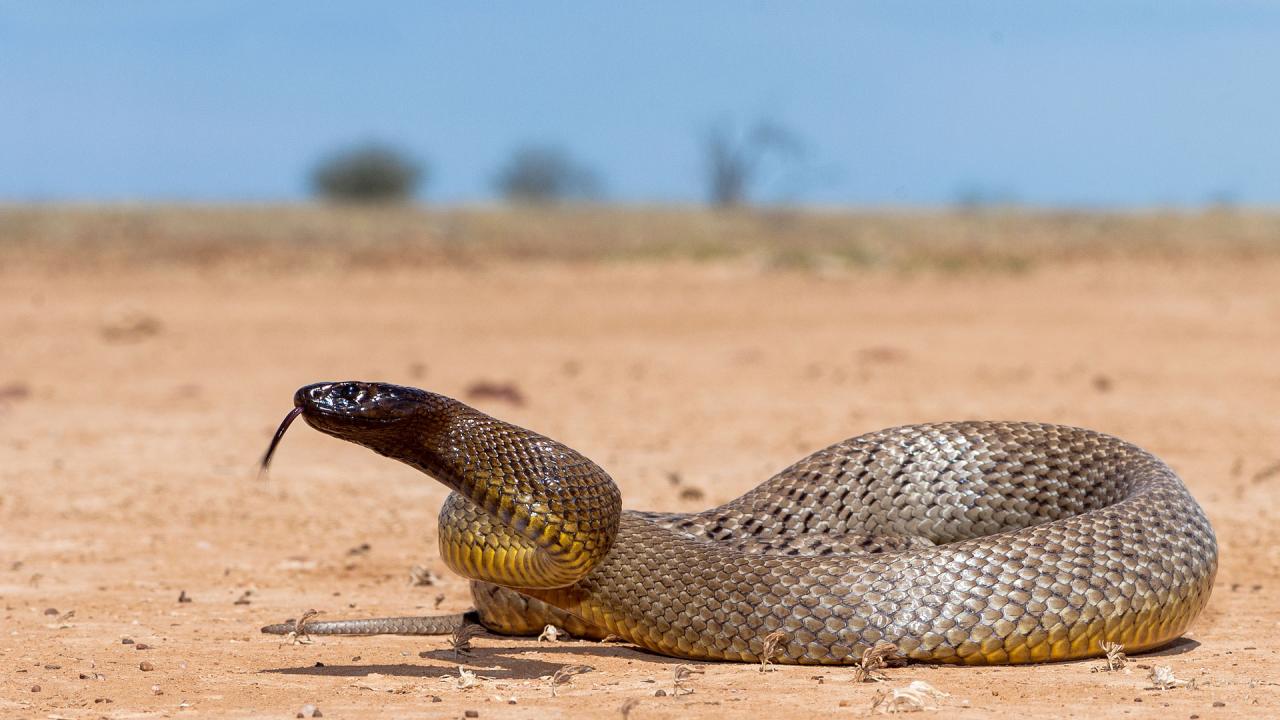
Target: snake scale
965	542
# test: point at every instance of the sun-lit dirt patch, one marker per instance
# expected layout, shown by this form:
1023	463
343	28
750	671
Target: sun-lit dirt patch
135	404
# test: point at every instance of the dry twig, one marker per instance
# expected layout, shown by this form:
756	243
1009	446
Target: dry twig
460	641
298	635
566	673
681	675
876	657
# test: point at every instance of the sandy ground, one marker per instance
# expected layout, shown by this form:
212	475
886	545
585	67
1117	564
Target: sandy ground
135	403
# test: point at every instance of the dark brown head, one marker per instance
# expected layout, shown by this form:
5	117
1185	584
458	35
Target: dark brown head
380	416
339	408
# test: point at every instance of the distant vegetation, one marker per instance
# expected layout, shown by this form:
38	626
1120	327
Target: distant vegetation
409	235
735	158
738	160
368	174
543	174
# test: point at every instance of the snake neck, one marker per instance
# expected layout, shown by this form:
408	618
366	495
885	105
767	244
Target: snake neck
526	512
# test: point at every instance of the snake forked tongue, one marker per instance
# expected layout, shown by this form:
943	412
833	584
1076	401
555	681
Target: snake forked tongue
275	441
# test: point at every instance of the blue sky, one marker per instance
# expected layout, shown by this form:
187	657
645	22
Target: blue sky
1069	103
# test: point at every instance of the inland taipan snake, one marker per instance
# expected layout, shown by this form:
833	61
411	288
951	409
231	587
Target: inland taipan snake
966	542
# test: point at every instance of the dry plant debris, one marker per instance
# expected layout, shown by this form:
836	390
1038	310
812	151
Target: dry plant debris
772	643
876	657
421	577
551	633
466	678
680	676
1116	658
917	696
298	635
566	673
460	641
1162	677
627	706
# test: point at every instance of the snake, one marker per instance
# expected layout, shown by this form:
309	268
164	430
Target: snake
977	542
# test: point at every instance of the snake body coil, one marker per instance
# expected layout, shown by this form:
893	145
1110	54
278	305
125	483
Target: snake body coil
971	542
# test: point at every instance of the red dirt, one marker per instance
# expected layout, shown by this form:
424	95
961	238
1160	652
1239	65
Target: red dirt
134	405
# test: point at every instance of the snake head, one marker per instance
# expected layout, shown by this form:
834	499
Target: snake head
345	408
391	420
388	419
370	414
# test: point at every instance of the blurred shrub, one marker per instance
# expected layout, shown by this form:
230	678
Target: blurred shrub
733	157
542	174
368	173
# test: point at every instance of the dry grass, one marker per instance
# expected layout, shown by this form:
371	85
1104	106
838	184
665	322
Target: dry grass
310	236
565	675
1116	658
460	641
875	658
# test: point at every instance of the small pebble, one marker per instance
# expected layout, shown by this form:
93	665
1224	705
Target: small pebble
309	711
436	698
471	713
183	597
51	611
1219	703
659	693
155	690
52	667
145	666
35	688
126	641
141	646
